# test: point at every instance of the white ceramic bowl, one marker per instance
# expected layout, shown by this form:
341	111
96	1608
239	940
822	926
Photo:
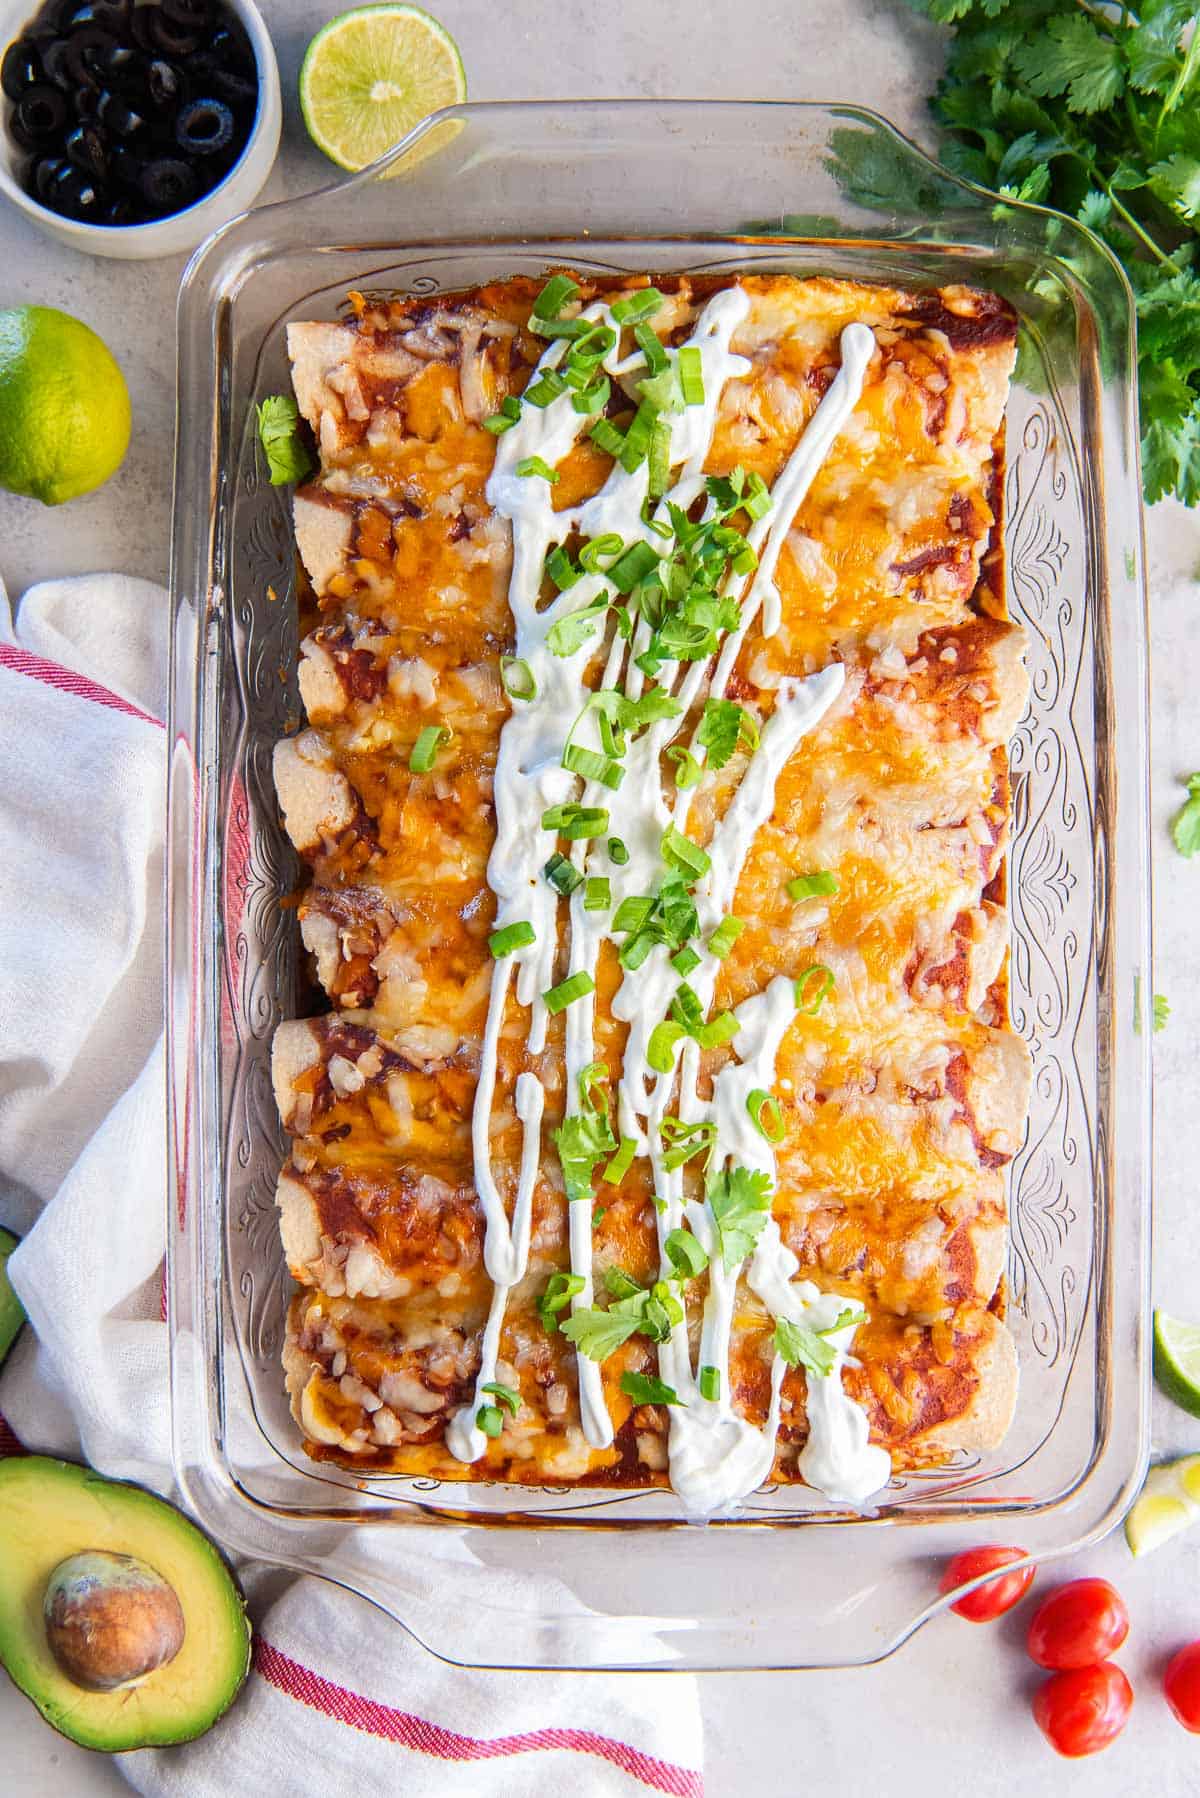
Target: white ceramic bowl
180	231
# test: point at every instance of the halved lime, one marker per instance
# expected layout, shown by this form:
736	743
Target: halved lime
1169	1501
372	74
1177	1360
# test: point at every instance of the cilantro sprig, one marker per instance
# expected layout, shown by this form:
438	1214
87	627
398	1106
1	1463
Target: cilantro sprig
1096	111
288	457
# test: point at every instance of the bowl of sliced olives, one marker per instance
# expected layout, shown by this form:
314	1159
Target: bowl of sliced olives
134	128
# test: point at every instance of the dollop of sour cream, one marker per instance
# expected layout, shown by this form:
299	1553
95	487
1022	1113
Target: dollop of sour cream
716	1456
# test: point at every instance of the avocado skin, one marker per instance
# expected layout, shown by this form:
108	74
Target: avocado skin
50	1509
12	1312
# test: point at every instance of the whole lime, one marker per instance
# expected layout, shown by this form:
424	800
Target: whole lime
64	406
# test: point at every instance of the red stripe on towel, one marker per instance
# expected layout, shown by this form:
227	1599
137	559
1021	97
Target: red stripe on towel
53	674
411	1731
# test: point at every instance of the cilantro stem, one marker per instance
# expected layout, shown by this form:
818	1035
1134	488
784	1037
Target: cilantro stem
1133	225
1191	62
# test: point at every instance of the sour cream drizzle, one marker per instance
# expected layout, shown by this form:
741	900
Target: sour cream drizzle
716	1456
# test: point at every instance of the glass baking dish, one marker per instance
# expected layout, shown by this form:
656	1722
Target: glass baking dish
481	192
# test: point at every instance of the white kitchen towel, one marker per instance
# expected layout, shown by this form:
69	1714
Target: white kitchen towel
340	1700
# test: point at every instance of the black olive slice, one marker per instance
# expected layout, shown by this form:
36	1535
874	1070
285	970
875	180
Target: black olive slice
169	184
164	84
75	194
45	171
21	68
87	148
173	40
40	115
117	116
204	127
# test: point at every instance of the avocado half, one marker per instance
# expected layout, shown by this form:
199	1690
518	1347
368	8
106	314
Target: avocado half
84	1559
12	1312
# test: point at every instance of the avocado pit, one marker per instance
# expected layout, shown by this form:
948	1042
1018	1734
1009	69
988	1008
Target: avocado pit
110	1619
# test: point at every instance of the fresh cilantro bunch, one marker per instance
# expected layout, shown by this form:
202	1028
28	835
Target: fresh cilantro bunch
1095	110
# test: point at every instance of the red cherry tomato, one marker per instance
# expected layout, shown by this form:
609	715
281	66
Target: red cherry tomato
999	1595
1082	1711
1181	1683
1078	1626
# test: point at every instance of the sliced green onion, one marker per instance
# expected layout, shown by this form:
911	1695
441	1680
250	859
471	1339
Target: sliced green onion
813	987
664	1040
575	986
424	751
605	435
631	914
624	622
516	677
595	1074
607	544
578	328
721	1029
757	499
660	392
686	1008
560	1290
744	560
590	765
710	1382
630	567
593	345
685	961
766	1115
621	1162
660	459
513	936
682	853
576	822
548	386
633	953
687	769
620	1284
685	1253
554	296
651	346
691	375
812	886
505	1395
593	399
686	1141
617	852
725	936
561	569
651	523
563	875
598	1216
506	418
599	893
637	437
643	304
490	1420
534	465
648	1389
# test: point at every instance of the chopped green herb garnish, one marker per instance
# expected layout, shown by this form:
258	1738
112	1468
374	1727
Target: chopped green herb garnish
562	874
1186	828
766	1115
575	986
490	1420
648	1389
617	852
513	936
621	1162
505	419
288	457
687	769
813	987
682	853
651	346
516	677
812	886
740	1200
560	1290
685	961
686	1254
568	635
576	822
558	291
548	386
424	751
583	1140
664	1040
691	375
723	726
599	893
725	936
589	764
605	435
536	465
683	1142
561	569
643	304
504	1395
710	1383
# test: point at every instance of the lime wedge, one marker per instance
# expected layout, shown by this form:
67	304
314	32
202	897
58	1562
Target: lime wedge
1169	1502
12	1313
1177	1360
372	74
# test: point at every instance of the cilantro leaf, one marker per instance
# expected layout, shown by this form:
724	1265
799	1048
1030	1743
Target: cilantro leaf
740	1200
1186	828
805	1347
569	634
648	1389
599	1334
1071	57
724	725
1176	182
287	453
583	1139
